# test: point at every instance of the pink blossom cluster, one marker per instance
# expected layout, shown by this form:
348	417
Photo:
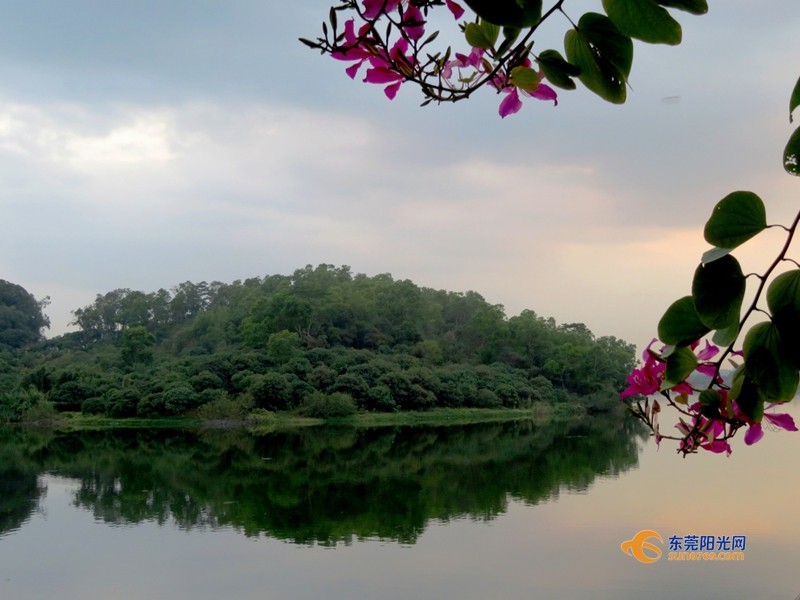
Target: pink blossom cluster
706	429
393	66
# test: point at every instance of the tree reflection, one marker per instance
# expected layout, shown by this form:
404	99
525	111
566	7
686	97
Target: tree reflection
325	485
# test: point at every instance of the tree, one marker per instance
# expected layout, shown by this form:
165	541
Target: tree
21	316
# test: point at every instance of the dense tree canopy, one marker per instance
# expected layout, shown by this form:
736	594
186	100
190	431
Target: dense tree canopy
322	341
21	316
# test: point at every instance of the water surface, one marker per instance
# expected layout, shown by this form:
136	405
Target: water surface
507	510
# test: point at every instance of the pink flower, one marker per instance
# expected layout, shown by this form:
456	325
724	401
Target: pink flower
384	71
512	102
646	380
706	354
353	49
413	22
755	431
462	61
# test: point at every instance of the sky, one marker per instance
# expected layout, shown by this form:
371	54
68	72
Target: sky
145	143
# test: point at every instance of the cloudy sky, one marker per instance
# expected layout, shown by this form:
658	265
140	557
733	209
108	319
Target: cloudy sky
147	142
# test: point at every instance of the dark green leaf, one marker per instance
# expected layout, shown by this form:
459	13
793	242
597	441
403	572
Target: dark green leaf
783	300
644	20
745	392
696	7
603	54
510	35
718	290
508	13
558	71
710	403
735	219
680	365
726	336
791	154
766	365
794	101
681	325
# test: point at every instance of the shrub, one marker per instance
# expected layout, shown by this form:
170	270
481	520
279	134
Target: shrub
328	406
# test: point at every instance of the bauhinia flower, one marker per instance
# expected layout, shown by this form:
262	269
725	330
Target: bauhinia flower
531	85
647	379
755	431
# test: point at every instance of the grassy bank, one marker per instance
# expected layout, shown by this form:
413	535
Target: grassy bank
263	421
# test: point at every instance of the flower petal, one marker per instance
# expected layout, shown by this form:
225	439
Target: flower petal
391	90
510	104
754	433
455	8
781	420
545	92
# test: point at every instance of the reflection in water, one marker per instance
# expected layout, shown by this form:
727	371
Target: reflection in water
20	490
323	485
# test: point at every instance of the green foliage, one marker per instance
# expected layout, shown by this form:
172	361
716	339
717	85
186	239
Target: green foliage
328	406
269	343
680	365
644	20
21	316
557	70
603	55
791	154
482	34
508	13
136	346
767	366
695	7
681	324
718	292
735	219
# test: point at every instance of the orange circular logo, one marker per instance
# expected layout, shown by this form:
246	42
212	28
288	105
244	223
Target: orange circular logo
636	547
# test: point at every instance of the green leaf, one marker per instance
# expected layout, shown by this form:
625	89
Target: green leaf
508	13
680	365
524	78
747	397
710	403
681	325
791	154
735	219
783	300
726	336
510	35
603	54
718	291
558	71
766	366
695	7
794	101
644	20
714	254
481	35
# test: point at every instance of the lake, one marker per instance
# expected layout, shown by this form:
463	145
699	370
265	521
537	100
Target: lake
500	510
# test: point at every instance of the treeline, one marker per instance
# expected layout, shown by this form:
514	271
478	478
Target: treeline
321	341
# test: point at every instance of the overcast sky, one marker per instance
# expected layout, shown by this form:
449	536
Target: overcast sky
149	142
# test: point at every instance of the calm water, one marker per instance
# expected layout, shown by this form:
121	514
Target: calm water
502	511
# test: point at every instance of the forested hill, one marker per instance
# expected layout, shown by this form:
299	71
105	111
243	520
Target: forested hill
322	340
